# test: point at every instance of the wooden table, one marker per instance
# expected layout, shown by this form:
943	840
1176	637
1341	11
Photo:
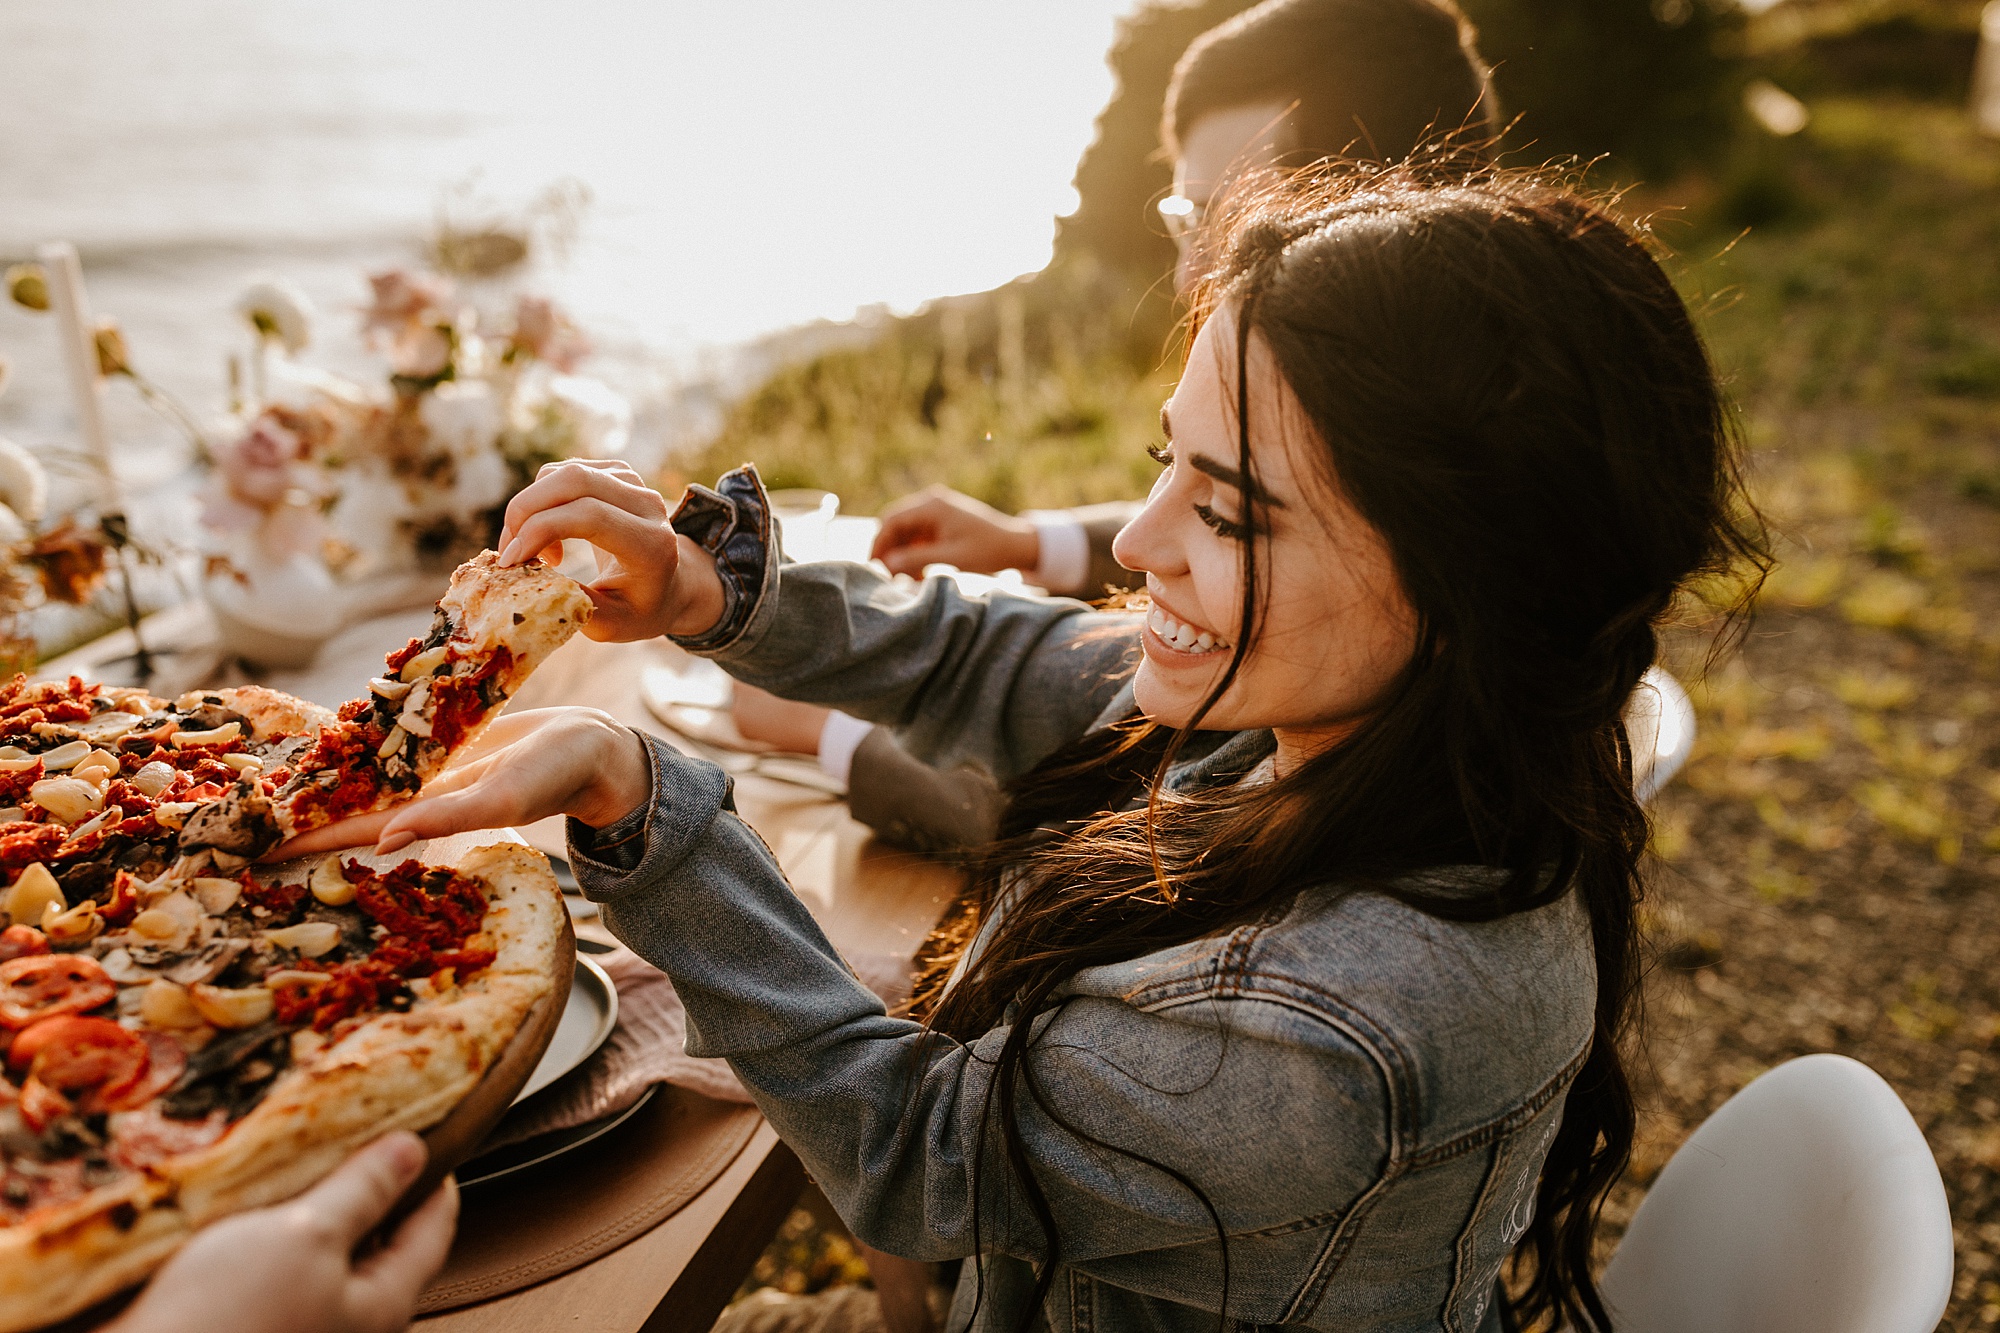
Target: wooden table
870	898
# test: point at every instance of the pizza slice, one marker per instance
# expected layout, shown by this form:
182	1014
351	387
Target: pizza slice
492	629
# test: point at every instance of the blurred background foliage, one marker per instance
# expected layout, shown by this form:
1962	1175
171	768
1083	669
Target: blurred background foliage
1044	391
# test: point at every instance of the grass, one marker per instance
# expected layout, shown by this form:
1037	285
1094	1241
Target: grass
1827	872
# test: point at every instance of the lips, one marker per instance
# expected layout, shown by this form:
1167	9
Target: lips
1180	636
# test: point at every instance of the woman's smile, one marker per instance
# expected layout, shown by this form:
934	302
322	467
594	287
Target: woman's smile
1174	641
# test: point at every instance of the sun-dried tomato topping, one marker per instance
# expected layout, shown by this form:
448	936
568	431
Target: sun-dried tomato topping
203	769
352	988
431	904
44	985
355	709
66	710
401	656
349	752
280	900
14	786
128	798
460	702
467	961
21	942
124	904
23	843
204	791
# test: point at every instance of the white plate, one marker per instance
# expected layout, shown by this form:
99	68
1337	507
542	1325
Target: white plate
586	1023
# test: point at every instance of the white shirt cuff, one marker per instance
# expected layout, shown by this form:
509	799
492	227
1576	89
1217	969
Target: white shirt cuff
839	737
1065	559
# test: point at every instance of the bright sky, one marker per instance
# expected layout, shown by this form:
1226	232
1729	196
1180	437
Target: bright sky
755	162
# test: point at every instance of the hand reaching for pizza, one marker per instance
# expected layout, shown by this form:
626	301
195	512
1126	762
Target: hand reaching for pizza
291	1268
650	582
525	766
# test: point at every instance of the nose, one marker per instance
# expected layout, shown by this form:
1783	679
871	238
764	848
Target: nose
1147	545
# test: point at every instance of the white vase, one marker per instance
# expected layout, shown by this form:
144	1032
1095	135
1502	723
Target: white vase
276	615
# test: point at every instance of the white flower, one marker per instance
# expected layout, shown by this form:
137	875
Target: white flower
599	416
12	529
463	417
278	309
369	517
484	482
24	487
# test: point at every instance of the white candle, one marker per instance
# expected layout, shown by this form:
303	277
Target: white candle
79	344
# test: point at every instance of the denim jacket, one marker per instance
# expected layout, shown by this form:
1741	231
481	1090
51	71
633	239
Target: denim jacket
1363	1093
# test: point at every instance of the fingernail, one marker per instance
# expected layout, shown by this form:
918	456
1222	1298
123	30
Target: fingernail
507	555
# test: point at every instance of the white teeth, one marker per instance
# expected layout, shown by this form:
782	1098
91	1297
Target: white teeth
1186	638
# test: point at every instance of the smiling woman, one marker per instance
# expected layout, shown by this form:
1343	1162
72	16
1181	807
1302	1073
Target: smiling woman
1294	993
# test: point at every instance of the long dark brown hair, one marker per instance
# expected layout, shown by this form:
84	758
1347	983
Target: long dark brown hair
1509	389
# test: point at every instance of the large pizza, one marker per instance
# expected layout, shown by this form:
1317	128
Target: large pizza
188	1033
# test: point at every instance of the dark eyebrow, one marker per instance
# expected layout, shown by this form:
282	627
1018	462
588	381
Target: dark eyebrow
1231	477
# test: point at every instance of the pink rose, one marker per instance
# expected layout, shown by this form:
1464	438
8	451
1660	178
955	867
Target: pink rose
257	467
401	300
422	352
543	331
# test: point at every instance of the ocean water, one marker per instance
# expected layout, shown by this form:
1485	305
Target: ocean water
752	166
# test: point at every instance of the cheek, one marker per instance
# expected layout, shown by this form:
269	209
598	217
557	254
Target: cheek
1331	639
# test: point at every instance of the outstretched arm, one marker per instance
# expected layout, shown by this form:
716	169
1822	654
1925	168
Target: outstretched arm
995	681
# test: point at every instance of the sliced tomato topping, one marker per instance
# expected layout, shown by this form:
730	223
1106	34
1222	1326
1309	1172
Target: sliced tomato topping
93	1056
166	1061
21	942
45	985
42	1105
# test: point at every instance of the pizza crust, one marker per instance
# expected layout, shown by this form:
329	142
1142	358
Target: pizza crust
529	609
392	1071
270	712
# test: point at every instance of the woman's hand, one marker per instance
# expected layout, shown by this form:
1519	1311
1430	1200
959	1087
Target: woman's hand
651	581
291	1268
524	767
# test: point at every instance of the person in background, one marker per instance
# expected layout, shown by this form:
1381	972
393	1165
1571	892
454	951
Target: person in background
1284	85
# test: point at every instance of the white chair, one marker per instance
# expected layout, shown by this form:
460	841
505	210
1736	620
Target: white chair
1808	1204
1659	718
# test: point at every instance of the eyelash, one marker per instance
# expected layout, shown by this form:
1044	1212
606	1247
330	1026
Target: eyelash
1163	454
1227	527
